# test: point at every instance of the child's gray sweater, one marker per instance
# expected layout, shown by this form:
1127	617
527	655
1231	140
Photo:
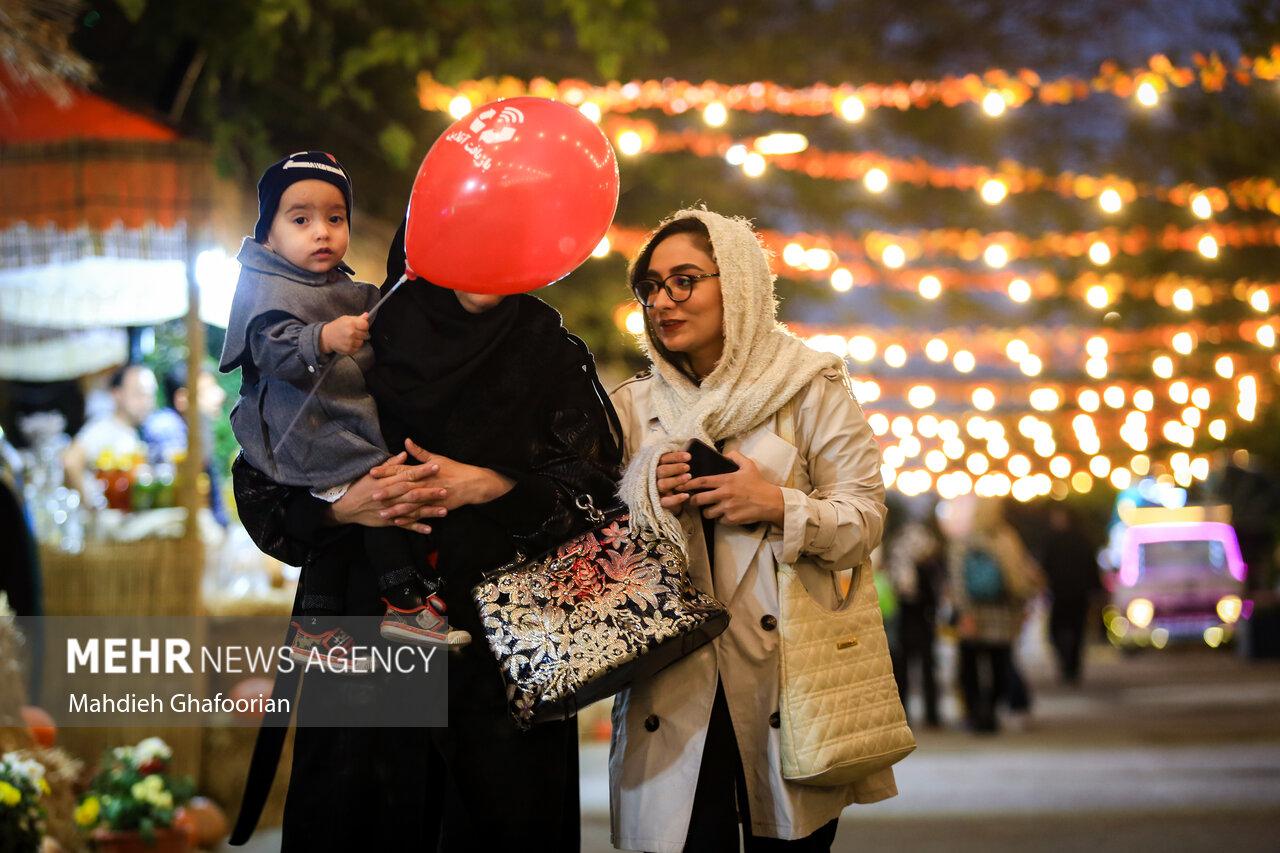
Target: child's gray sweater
274	337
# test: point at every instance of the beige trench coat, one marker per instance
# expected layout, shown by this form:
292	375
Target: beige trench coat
834	518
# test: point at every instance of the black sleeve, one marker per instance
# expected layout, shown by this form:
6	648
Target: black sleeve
579	453
285	522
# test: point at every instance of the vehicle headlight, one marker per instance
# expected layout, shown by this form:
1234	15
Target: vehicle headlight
1141	611
1229	607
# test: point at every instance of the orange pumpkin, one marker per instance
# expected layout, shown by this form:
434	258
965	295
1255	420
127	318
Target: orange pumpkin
203	821
40	725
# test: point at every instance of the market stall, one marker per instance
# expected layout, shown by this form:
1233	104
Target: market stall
106	212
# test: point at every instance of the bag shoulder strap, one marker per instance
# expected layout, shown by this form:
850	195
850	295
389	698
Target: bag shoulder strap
786	421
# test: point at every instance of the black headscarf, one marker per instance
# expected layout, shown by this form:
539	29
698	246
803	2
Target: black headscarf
440	347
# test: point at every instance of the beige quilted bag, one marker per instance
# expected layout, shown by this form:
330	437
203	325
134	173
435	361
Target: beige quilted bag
841	716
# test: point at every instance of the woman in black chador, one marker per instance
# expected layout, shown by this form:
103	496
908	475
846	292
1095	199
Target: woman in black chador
499	405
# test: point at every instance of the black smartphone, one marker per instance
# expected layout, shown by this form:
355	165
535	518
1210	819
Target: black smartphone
706	461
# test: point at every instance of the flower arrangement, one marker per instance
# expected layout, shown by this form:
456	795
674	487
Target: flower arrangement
133	791
22	816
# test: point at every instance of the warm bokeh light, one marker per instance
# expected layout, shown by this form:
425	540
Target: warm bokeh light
1089	400
876	180
994	191
631	143
893	256
984	399
852	109
995	256
994	103
1100	253
1110	202
921	396
1031	365
1208	247
1224	366
895	355
1201	207
459	106
753	165
862	348
715	114
1147	95
936	350
1184	343
1144	400
1184	299
1260	301
1096	346
841	280
1162	366
964	361
1019	290
930	287
1097	296
1017	350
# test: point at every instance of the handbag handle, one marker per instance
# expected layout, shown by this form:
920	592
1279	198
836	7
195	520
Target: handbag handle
786	420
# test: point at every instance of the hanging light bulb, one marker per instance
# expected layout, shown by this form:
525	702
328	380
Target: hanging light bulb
631	143
1097	296
1019	290
852	109
876	180
459	106
1147	95
994	191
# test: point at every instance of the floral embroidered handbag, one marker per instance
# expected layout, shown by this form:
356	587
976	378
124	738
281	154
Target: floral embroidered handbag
579	623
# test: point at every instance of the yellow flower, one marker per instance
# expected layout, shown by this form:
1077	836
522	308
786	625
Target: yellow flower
87	812
9	795
44	786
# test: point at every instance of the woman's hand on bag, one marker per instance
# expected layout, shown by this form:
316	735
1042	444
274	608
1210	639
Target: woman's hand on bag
368	504
673	472
743	497
449	483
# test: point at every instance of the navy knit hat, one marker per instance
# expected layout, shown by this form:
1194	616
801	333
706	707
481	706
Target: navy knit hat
302	166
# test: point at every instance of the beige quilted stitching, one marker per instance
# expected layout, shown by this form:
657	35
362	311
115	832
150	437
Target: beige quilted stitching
841	716
842	719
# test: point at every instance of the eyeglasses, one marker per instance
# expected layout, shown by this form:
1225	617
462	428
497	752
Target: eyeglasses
679	287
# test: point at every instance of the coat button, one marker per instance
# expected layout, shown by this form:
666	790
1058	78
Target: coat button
775	720
651	723
311	368
768	622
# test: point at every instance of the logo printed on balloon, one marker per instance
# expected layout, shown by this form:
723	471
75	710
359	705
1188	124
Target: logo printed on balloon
504	132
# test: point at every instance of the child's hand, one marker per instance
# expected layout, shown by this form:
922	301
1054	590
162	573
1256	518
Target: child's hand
345	334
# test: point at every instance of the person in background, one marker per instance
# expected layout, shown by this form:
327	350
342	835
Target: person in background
991	579
133	394
1072	572
165	429
917	569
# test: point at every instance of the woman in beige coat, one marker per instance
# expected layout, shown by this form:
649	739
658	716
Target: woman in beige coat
696	748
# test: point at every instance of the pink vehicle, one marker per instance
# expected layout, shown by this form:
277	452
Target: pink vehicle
1178	581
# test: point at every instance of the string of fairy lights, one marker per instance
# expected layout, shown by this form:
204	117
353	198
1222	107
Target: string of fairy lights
1024	412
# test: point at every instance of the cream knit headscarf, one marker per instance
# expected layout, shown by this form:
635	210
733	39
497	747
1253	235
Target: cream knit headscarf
763	366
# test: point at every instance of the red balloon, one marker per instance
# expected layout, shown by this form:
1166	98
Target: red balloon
512	197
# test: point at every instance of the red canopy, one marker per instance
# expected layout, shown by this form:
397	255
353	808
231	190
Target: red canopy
29	114
90	161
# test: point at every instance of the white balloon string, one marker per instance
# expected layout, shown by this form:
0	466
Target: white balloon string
320	379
